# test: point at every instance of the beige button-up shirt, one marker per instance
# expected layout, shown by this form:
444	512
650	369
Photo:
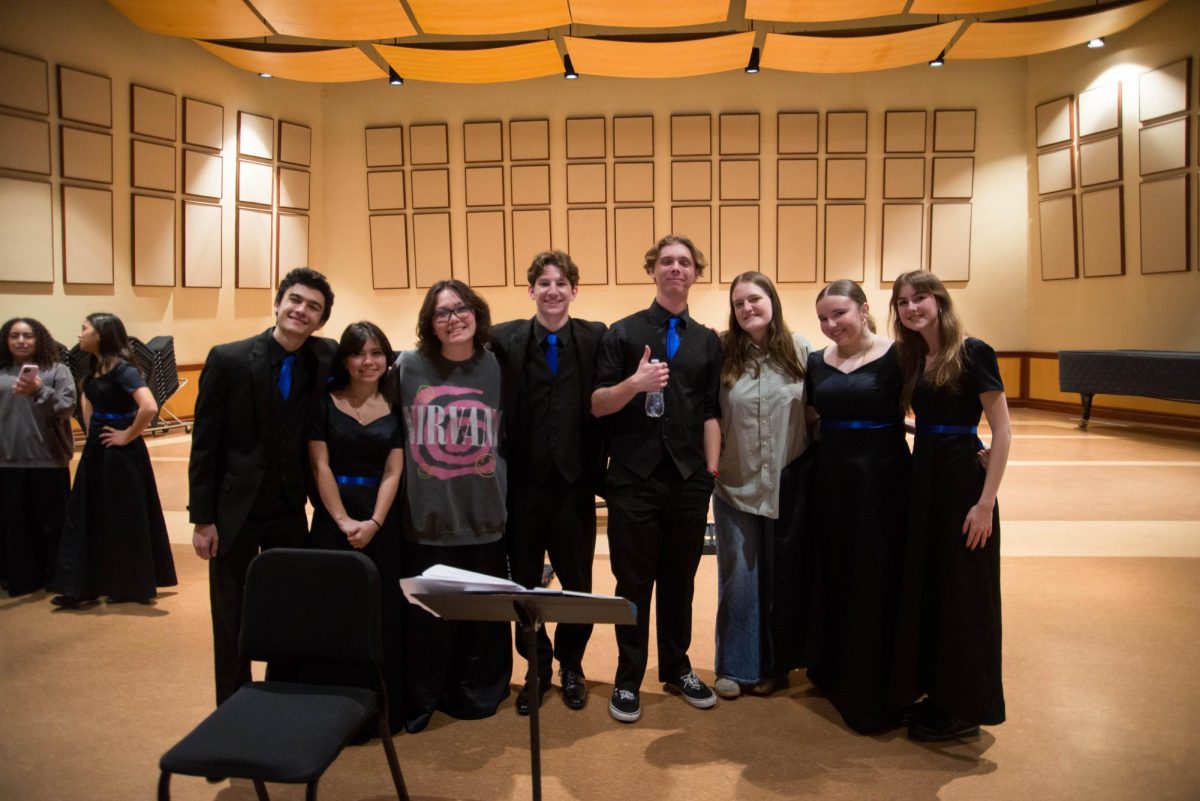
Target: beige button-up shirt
762	431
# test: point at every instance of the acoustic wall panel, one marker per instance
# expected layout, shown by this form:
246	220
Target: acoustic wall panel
950	241
84	97
385	190
255	183
953	130
695	222
1166	230
1100	161
1053	120
385	146
633	182
739	135
202	174
903	232
845	241
633	137
691	181
531	236
152	113
904	132
796	179
1165	90
26	228
203	124
253	235
1163	147
291	249
26	84
87	231
432	255
798	132
485	186
954	177
486	265
845	179
294	189
430	190
587	242
903	178
1100	109
295	144
482	141
26	144
1056	221
86	155
530	184
585	138
153	166
691	135
256	136
153	241
586	183
796	244
389	251
633	228
846	132
739	179
429	146
1102	220
739	241
202	244
529	140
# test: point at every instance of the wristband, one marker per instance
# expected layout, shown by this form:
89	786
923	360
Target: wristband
378	525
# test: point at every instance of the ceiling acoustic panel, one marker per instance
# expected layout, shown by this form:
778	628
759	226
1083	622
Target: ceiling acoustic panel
617	59
856	53
332	65
662	14
486	65
322	19
1007	39
821	10
212	19
472	17
965	6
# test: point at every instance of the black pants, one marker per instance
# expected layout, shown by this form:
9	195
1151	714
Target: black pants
227	589
33	508
656	536
559	518
461	667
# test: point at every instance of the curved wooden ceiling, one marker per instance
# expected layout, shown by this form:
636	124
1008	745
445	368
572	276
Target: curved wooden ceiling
439	40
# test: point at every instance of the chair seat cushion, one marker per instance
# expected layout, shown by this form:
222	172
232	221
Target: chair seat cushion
274	731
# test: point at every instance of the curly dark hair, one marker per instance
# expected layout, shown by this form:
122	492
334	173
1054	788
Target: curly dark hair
310	278
45	350
427	340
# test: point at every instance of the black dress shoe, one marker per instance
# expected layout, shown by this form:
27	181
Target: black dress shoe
523	696
574	689
934	727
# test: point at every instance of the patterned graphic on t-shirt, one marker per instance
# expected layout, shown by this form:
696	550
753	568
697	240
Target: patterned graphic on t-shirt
452	433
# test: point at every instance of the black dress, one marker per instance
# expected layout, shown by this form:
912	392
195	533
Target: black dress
358	454
860	500
115	540
949	632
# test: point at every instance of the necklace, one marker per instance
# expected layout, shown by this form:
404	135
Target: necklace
865	350
356	410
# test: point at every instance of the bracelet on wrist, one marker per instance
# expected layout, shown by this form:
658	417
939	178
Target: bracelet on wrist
377	523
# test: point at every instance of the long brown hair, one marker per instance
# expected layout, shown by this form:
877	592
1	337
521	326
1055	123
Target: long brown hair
739	349
427	341
947	366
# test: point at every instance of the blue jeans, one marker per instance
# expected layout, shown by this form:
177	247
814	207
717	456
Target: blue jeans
739	616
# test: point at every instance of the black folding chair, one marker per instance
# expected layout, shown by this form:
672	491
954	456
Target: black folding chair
301	606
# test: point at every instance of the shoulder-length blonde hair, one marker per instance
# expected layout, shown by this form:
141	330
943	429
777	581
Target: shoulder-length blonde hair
738	347
947	366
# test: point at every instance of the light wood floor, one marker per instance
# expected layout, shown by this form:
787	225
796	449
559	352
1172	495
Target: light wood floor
1101	583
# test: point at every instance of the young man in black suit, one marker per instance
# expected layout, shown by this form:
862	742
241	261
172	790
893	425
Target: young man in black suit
555	456
662	470
248	472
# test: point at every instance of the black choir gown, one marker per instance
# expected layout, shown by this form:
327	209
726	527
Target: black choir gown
860	500
114	541
361	451
949	631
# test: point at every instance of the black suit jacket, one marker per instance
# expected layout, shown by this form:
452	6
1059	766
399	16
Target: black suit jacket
228	436
510	341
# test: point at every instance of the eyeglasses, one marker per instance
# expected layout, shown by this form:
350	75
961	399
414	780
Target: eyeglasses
461	312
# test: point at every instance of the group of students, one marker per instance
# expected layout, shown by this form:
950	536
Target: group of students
484	448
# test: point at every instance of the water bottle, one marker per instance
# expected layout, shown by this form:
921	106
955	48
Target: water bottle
654	400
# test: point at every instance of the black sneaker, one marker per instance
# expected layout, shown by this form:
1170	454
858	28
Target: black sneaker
935	727
694	691
625	705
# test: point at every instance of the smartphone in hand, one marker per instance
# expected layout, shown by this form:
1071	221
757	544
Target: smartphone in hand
29	372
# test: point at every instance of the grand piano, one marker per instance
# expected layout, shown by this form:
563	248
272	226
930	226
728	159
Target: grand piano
1167	375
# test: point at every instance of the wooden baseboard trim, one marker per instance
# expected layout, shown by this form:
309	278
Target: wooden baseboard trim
1109	413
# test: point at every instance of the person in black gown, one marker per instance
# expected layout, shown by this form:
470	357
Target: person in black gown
356	449
114	541
948	643
861	491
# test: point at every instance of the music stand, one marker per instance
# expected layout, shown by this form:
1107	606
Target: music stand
530	609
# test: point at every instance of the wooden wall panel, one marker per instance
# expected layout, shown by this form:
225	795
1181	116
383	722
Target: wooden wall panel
486	264
26	230
739	241
87	225
389	251
796	244
845	241
432	254
634	233
587	242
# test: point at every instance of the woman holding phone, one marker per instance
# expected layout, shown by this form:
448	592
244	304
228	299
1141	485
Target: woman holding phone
948	644
115	540
37	396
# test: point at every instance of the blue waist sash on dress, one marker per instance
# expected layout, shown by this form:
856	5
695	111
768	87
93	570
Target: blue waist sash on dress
112	417
831	425
940	429
358	481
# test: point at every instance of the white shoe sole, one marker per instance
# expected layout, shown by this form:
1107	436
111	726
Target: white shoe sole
624	717
699	703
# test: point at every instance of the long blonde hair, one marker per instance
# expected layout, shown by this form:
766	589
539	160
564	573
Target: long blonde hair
947	366
738	347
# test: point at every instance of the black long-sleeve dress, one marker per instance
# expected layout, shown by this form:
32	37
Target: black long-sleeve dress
115	539
949	632
860	499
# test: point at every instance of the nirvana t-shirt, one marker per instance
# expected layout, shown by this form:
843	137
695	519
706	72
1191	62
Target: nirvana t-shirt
454	475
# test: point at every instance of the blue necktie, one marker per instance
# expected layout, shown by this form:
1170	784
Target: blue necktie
552	353
672	338
285	375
